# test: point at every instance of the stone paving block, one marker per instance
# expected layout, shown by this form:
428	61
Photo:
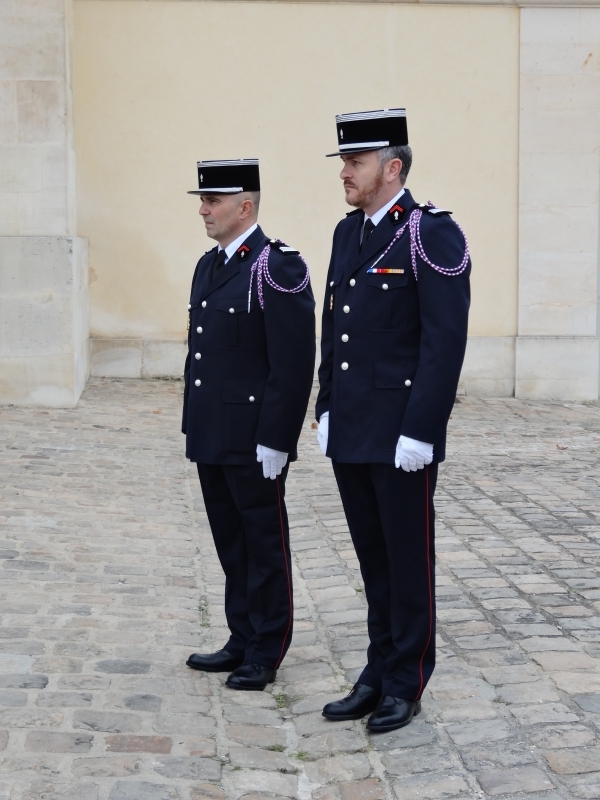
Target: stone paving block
507	753
488	730
85	683
528	693
371	789
481	642
332	742
418	787
64	699
136	790
425	759
246	781
338	768
520	779
12	699
109	721
193	724
57	742
417	734
576	682
517	674
256	716
106	767
118	743
257	735
18	681
468	709
570	762
30	718
50	790
123	666
258	758
544	712
188	767
145	702
556	662
207	791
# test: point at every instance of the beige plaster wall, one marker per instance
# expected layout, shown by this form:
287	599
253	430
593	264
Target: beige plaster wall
159	85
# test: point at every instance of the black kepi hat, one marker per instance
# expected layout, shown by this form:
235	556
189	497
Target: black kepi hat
370	130
228	177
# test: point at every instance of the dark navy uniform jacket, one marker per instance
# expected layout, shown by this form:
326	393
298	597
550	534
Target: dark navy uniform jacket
397	372
255	370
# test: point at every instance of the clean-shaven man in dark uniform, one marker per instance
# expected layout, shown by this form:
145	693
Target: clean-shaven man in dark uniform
248	376
394	338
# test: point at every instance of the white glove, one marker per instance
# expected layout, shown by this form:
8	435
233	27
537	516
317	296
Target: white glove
412	455
323	432
273	461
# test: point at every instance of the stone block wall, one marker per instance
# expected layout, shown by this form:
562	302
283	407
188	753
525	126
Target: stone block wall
557	353
44	325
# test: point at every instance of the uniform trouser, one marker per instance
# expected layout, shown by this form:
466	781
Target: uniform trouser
248	519
391	519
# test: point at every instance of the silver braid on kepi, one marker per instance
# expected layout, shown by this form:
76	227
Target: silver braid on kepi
403	152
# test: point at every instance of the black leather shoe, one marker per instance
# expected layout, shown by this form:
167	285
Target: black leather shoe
392	713
251	677
361	701
221	661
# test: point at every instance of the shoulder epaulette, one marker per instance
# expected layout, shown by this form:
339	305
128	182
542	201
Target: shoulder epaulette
283	248
356	211
212	249
436	212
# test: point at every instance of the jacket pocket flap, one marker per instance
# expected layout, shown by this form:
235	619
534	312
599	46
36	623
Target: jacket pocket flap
387	281
243	390
395	374
233	305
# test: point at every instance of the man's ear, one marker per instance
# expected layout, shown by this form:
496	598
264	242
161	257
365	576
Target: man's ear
394	168
246	207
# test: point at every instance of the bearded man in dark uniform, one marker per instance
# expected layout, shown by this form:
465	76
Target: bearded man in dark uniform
248	377
393	342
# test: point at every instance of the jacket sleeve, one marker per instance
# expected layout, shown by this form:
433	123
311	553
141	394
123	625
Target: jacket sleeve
186	369
326	366
444	307
290	334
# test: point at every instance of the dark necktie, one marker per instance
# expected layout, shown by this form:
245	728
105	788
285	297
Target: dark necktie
367	231
218	264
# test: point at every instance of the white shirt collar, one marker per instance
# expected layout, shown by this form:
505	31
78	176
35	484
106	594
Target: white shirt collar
379	215
231	248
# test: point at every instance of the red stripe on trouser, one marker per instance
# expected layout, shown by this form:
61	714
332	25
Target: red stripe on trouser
287	572
427	534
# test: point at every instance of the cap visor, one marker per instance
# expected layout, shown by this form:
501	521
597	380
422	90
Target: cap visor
232	190
358	150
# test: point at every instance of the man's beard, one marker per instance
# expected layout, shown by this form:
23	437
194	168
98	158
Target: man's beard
366	196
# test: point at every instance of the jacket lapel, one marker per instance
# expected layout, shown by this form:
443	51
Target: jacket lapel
234	264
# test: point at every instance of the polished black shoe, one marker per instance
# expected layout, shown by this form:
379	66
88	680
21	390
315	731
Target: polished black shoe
361	701
251	677
392	713
221	661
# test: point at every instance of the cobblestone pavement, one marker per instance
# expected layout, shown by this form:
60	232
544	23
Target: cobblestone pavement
110	580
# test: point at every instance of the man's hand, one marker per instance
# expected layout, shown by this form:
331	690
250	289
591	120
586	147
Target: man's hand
412	455
323	432
273	461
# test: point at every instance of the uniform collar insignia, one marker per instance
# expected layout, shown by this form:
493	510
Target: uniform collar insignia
394	213
242	251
